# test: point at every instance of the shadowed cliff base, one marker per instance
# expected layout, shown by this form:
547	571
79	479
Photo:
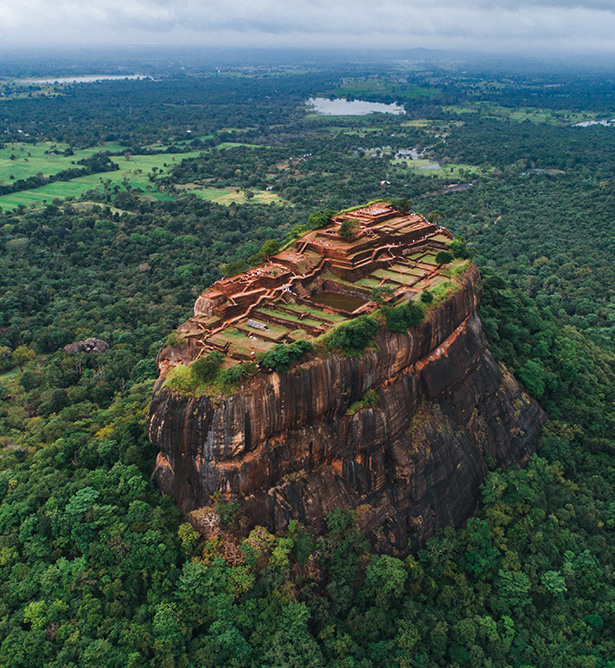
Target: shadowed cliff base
298	445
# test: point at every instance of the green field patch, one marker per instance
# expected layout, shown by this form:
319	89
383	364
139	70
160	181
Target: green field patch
429	168
441	288
273	330
229	333
88	206
521	114
262	313
21	161
417	123
363	132
232	195
459	109
44	195
10	377
333	317
159	197
239	130
277	313
291	318
438	278
454	268
369	282
138	166
442	238
417	272
404	279
462	171
244	344
402	267
301	309
235	144
384	273
133	171
299	335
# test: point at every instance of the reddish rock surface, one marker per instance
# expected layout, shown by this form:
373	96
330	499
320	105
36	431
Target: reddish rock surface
287	448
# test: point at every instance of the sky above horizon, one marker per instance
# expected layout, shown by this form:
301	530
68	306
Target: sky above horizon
508	26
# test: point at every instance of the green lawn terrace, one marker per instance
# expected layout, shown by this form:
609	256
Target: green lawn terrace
318	282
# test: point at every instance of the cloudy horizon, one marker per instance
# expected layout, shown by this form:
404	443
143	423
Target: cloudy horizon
505	26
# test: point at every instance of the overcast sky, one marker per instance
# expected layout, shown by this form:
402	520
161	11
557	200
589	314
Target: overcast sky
531	26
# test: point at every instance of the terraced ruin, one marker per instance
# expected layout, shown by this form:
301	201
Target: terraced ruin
402	430
323	279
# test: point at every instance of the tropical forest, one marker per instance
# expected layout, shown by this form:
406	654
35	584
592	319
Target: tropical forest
123	199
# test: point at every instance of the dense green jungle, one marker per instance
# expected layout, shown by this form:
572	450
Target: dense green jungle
120	201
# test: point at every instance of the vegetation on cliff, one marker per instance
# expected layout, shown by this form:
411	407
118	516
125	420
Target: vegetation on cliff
205	376
401	318
368	400
281	357
351	337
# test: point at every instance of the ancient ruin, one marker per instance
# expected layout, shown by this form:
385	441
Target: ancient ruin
317	283
299	444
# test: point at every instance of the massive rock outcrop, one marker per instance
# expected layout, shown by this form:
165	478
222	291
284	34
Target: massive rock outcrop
287	446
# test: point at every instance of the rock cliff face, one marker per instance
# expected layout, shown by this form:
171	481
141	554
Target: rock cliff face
288	448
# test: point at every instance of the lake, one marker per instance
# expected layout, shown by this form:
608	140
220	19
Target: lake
88	78
586	124
343	107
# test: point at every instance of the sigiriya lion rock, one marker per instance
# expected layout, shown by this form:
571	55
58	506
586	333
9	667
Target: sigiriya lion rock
347	371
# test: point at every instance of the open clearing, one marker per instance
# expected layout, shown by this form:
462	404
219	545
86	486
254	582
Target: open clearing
520	114
429	168
20	160
229	195
133	171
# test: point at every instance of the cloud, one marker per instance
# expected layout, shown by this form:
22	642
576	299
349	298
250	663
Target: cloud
500	25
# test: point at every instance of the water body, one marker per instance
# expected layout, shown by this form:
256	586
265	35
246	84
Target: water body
338	300
586	124
343	107
88	78
411	153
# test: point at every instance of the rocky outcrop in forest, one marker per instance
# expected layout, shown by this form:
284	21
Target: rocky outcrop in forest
93	346
298	445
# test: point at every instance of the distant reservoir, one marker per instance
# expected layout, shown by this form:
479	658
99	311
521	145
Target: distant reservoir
586	124
88	78
343	107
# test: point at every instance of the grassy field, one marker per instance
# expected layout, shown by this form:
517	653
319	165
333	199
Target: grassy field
521	114
20	160
10	376
230	195
453	171
159	146
16	89
417	123
233	144
359	132
132	171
